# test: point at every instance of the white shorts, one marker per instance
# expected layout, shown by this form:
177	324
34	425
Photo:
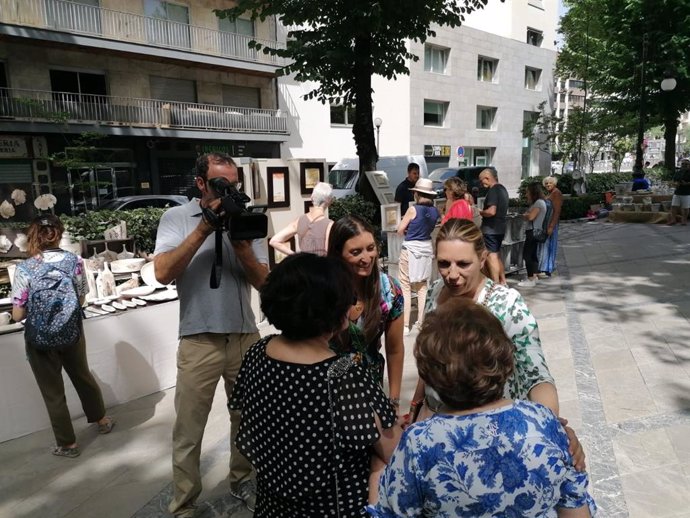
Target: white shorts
682	201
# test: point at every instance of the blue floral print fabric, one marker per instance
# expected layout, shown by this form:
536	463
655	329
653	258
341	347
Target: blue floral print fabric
508	462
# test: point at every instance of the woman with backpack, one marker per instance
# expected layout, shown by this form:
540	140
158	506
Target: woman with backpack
48	290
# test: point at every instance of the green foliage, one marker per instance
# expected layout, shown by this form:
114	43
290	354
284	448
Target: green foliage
564	184
338	45
602	182
355	205
604	43
575	207
522	190
142	225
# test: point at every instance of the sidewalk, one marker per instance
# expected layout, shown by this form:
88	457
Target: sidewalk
615	326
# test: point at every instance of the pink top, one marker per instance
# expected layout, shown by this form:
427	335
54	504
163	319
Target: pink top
460	209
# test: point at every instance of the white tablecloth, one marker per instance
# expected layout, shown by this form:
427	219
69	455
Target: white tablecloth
131	354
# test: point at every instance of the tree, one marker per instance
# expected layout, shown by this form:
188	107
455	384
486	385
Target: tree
340	44
622	48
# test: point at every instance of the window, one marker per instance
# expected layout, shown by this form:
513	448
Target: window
342	114
435	59
230	43
532	78
85	87
534	37
486	117
76	15
168	89
576	83
3	76
237	26
539	4
486	69
481	156
159	28
435	113
241	96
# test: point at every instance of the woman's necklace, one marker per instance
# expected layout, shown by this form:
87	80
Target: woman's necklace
356	310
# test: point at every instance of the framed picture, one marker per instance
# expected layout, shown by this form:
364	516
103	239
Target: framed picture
278	187
310	173
307	205
274	256
256	181
378	179
240	178
389	197
390	217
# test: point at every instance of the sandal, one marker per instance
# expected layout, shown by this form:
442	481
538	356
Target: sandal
107	426
64	451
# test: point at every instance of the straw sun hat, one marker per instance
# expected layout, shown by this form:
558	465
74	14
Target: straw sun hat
424	185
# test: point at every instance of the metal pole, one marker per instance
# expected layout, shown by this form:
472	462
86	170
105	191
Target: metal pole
378	130
643	96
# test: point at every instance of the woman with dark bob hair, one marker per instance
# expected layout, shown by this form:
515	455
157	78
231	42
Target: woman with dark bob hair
311	420
481	454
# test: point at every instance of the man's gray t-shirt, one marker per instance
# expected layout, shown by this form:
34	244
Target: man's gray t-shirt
203	310
496	225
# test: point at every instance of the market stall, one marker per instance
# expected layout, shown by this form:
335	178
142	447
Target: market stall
647	207
131	353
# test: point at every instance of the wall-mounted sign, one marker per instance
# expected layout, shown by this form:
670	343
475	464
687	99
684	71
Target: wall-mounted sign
40	146
437	150
12	146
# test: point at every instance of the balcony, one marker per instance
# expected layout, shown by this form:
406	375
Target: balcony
124	29
105	110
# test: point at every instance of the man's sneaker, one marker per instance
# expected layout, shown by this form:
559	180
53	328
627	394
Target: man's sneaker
245	491
527	283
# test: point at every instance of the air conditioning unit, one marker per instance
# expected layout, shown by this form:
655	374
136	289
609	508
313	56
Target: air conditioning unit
42	180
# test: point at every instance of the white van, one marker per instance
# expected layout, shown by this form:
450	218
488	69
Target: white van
345	174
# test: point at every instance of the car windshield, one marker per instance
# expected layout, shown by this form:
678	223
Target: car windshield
342	178
110	205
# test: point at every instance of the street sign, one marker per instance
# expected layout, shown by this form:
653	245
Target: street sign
461	151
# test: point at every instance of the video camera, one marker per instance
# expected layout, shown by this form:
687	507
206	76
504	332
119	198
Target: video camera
241	222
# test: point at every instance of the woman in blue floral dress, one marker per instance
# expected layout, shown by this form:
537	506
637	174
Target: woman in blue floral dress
481	455
378	308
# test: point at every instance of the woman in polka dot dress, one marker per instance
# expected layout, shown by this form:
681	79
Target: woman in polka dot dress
310	418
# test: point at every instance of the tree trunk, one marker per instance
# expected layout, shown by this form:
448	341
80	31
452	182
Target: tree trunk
363	128
670	131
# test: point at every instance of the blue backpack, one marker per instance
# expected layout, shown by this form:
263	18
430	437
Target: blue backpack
54	313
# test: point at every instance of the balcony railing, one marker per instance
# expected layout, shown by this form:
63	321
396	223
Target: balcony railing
77	18
65	107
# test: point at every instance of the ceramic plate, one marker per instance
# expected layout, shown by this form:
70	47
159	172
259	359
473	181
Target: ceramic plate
128	303
138	292
109	309
139	302
8	328
161	296
127	265
149	277
119	305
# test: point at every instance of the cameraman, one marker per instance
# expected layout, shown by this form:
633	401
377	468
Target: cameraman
217	326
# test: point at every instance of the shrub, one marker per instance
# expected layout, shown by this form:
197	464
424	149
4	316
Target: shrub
575	207
142	225
354	204
565	184
602	182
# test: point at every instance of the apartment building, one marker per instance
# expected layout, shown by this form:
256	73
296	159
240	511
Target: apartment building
473	90
159	81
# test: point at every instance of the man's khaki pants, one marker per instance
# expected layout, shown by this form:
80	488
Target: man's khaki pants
202	360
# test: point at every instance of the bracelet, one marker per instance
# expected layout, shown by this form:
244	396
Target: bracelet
394	401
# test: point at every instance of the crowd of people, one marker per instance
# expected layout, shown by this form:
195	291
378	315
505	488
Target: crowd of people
316	425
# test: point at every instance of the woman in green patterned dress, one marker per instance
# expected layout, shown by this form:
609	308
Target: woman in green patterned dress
461	257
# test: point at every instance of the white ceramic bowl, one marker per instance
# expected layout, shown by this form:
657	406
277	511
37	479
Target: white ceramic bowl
148	275
138	292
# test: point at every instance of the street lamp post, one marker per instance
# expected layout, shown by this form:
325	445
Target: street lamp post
668	84
377	122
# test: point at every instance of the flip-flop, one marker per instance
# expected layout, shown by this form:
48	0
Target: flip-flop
64	451
107	426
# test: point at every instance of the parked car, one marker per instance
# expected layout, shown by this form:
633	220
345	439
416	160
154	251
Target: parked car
145	200
469	174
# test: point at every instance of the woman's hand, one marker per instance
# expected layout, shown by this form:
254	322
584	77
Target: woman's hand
574	446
